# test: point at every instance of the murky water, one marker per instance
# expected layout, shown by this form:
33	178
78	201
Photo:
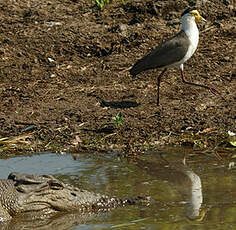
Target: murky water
198	195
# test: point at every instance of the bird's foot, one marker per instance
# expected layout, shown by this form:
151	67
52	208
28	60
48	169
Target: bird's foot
215	92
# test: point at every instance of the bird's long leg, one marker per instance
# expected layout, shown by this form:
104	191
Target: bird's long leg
214	91
158	85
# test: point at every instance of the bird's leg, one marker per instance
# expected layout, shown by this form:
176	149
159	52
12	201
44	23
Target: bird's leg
158	85
214	91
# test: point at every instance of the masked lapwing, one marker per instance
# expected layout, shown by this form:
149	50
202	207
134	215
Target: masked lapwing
174	51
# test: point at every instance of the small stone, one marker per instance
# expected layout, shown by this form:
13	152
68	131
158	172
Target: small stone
201	107
123	29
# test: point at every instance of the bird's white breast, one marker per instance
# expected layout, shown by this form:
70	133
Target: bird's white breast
191	30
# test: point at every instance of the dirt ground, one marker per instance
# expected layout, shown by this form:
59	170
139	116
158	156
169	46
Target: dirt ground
64	68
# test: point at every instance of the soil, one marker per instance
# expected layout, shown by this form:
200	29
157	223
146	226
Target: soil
65	74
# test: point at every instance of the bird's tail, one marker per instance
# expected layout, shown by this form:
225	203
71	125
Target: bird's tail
140	66
136	69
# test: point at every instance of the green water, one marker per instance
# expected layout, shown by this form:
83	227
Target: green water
199	194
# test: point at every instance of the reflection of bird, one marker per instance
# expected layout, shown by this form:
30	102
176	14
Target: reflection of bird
184	179
174	51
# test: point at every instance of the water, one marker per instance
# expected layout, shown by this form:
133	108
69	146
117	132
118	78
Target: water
198	195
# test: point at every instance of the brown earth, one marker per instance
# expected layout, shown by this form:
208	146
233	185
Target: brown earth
64	75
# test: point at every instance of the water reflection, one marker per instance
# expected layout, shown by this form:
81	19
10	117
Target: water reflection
187	182
194	196
60	222
176	187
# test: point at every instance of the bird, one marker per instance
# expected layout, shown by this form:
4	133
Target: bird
175	51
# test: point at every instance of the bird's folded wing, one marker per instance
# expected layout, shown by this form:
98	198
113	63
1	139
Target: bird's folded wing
169	52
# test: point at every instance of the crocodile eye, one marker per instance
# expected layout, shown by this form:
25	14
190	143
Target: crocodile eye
55	185
73	194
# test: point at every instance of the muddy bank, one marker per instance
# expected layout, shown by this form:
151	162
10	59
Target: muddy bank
64	76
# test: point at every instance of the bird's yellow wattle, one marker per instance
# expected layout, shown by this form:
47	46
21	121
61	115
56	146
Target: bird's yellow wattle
197	16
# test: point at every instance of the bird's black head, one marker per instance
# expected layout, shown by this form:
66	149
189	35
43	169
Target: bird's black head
188	10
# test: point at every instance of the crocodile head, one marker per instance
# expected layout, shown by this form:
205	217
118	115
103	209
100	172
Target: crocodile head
46	193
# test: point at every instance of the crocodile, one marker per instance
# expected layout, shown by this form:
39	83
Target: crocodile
25	194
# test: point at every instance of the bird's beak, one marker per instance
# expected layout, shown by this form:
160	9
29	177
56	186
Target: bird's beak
200	18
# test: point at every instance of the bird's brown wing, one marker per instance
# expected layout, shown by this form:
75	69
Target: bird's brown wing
167	53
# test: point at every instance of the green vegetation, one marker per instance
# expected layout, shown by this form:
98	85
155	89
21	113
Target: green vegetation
103	3
118	121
